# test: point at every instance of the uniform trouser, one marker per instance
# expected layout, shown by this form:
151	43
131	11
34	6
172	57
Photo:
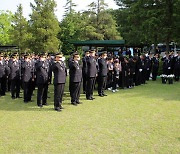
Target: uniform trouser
115	82
3	86
58	94
90	86
15	87
102	84
148	72
177	74
139	79
75	91
28	90
131	80
154	73
42	94
84	83
109	80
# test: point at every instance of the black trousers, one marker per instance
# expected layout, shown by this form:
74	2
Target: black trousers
109	79
58	94
90	87
28	90
102	80
154	73
115	82
42	94
75	91
177	74
84	83
15	87
125	80
3	81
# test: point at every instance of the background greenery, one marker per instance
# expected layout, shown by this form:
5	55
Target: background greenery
138	22
141	120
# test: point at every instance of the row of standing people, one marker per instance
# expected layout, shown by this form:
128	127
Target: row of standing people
109	72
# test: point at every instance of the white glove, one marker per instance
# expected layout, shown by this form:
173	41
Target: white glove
140	70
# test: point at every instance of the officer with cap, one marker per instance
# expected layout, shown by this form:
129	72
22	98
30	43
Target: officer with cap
75	72
4	71
59	70
27	78
42	71
15	76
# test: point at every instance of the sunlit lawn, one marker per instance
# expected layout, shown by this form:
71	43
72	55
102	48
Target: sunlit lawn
145	119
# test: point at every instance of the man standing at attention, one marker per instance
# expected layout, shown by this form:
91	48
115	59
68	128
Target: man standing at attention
91	75
59	70
75	73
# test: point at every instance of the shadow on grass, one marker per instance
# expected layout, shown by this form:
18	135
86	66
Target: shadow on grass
154	90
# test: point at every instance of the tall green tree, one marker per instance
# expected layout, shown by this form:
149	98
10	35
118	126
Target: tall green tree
147	21
20	33
101	25
44	26
69	7
5	27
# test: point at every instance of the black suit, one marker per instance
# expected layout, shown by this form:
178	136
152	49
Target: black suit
27	77
102	75
91	76
59	71
84	72
148	67
132	76
140	76
167	65
15	77
125	75
42	70
177	68
155	67
4	71
75	73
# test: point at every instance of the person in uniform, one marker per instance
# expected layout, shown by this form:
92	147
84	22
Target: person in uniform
15	76
167	64
110	73
125	73
102	74
177	67
75	72
84	71
27	78
4	72
116	71
155	67
59	71
42	72
132	76
91	75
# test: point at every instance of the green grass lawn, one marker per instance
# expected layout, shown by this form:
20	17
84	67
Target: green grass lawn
141	120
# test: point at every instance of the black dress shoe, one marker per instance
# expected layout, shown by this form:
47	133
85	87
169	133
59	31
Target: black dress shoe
46	104
61	107
90	99
104	95
18	97
101	95
40	106
74	103
13	97
58	109
79	102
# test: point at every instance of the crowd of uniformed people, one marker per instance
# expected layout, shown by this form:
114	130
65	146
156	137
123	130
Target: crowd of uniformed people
105	70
